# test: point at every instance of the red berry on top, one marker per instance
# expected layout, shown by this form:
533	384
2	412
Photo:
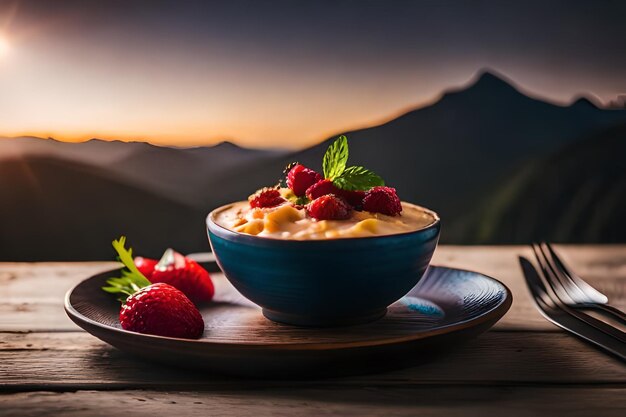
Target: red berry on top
299	178
162	310
265	198
329	207
145	266
185	274
354	198
323	187
382	200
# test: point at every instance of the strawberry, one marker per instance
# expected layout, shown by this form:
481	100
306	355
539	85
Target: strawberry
265	198
162	310
158	309
323	187
184	274
382	200
180	272
328	207
299	178
145	265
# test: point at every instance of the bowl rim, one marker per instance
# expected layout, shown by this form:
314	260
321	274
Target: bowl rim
224	232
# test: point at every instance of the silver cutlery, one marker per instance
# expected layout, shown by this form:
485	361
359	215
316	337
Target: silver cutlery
557	292
573	290
563	316
570	288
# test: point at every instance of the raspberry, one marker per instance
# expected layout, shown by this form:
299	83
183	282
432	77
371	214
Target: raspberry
328	207
300	178
382	200
323	187
354	198
266	197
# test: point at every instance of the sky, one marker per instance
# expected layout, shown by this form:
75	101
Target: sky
283	73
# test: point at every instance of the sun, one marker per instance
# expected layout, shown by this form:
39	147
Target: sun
4	46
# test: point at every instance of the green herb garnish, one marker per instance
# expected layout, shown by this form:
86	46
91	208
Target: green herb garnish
352	178
335	158
131	280
357	178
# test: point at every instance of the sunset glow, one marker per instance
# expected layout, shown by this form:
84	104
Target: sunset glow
4	46
278	76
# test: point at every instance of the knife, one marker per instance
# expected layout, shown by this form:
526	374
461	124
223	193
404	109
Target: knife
560	315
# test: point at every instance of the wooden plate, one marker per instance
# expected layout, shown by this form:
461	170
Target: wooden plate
445	308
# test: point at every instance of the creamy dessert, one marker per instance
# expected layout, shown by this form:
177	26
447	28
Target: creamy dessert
344	202
288	222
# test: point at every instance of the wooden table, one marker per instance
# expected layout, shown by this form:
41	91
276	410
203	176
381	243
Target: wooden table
523	366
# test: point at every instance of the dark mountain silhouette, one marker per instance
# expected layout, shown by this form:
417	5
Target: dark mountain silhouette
576	195
186	174
461	156
94	151
53	209
175	173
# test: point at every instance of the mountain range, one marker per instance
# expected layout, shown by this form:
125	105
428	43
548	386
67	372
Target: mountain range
486	157
577	195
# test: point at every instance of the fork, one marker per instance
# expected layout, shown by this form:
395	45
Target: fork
556	291
563	316
571	289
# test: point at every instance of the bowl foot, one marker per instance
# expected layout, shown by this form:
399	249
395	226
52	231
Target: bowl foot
312	321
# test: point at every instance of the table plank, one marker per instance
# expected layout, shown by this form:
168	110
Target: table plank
31	294
76	360
524	365
410	401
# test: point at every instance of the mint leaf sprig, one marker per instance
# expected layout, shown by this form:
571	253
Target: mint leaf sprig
357	178
131	280
335	158
354	178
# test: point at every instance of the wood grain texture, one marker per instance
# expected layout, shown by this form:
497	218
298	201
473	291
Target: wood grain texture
78	360
362	401
524	366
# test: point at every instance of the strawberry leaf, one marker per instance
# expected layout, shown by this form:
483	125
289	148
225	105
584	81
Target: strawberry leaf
335	158
131	280
357	178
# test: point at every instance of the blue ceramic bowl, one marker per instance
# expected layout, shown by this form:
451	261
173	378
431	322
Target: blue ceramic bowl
329	282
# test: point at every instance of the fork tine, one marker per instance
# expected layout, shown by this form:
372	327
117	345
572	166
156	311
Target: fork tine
550	276
582	285
591	298
575	294
537	288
